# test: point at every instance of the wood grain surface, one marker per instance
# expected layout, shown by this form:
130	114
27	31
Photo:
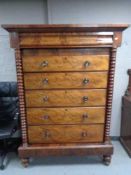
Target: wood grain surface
64	39
65	133
43	98
65	80
65	60
76	115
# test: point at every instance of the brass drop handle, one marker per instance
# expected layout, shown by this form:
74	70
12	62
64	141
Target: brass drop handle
45	98
84	134
85	99
46	134
85	116
44	64
85	81
45	117
86	64
45	81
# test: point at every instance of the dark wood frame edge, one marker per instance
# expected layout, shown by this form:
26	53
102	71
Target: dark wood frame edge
123	142
64	150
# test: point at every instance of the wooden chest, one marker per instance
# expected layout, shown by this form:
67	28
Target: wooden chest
125	134
65	81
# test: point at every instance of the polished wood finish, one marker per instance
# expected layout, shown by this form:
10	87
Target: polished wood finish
21	95
65	133
65	60
47	98
77	116
65	28
63	39
75	80
125	135
110	94
66	149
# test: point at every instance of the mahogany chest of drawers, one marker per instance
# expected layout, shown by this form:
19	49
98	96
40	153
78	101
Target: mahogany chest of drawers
65	79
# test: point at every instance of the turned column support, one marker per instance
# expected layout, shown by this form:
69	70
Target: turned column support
110	94
21	95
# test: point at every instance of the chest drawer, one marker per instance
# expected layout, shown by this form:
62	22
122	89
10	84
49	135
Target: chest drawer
79	115
65	80
39	60
65	39
43	98
65	133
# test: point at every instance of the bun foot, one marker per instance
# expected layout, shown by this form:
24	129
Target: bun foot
107	159
25	162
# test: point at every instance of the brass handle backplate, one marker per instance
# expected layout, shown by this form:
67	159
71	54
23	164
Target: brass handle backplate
85	99
45	98
85	81
45	117
46	134
84	134
85	116
86	64
44	64
45	81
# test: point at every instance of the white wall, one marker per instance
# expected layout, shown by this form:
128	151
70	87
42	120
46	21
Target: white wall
89	11
17	12
70	11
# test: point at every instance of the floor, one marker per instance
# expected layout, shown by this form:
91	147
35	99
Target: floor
121	165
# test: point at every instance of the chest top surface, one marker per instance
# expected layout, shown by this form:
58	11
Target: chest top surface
37	36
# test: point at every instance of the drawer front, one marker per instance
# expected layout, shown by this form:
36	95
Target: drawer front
64	60
65	133
79	115
43	98
66	39
65	80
